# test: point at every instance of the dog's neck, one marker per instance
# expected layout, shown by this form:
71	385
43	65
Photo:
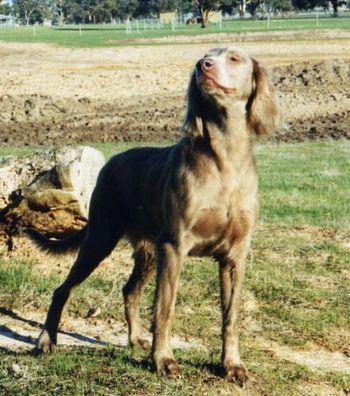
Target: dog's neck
230	138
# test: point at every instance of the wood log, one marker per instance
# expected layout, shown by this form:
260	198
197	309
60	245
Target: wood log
48	190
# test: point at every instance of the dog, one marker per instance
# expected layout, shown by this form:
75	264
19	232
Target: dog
197	197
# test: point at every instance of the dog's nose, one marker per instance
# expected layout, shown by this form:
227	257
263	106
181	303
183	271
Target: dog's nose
206	64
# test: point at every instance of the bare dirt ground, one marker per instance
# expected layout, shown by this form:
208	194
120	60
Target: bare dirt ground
51	95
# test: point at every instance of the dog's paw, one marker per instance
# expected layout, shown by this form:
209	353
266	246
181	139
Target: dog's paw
44	343
169	367
142	343
236	373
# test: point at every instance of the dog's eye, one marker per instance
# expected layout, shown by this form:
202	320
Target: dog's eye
234	59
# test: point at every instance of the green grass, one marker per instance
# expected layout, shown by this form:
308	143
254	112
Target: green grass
305	184
114	35
298	279
74	372
20	284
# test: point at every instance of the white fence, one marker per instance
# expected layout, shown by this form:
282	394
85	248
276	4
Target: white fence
141	25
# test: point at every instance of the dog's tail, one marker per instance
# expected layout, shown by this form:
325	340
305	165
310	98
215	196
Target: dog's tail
56	246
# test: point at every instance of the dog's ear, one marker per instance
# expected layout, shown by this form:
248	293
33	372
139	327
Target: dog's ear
193	124
263	111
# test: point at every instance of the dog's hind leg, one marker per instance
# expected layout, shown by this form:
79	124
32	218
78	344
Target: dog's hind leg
144	269
93	250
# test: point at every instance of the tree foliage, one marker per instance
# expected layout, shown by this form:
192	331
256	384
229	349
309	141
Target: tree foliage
204	7
30	10
5	9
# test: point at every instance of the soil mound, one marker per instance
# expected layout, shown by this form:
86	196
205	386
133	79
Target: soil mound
316	100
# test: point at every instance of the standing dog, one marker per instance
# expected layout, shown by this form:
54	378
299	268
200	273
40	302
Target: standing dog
198	197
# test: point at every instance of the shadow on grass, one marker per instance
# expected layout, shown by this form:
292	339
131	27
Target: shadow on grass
7	312
28	339
215	371
213	368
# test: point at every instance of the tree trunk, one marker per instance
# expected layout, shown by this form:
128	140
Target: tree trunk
242	8
202	12
61	17
206	16
335	7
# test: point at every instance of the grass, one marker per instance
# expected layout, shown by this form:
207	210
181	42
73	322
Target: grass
300	290
115	35
121	373
305	184
297	290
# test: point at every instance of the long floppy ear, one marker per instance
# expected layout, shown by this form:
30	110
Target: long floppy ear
193	124
263	112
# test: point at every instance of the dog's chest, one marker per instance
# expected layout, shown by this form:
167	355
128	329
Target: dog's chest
216	223
210	222
225	210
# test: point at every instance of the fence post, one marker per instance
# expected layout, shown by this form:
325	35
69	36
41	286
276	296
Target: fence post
268	22
80	33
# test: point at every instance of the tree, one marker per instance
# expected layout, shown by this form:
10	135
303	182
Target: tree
186	6
204	7
67	11
125	9
310	4
63	9
228	6
5	9
102	10
253	5
281	5
58	10
25	9
242	7
144	8
164	5
336	4
305	4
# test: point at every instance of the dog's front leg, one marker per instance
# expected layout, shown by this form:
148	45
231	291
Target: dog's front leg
232	268
168	273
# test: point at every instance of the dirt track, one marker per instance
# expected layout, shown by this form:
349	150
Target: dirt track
51	95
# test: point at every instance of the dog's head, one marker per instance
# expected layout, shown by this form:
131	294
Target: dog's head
226	76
